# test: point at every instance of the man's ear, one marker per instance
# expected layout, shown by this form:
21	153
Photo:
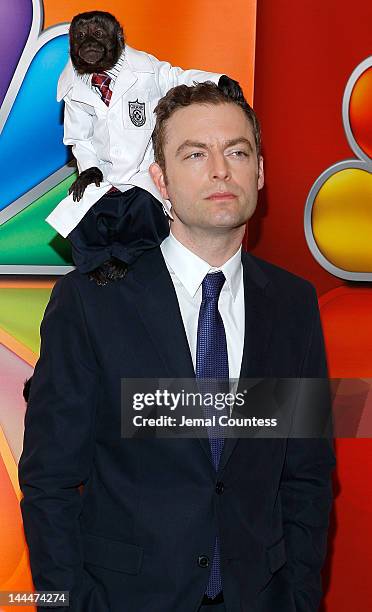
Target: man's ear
158	177
261	177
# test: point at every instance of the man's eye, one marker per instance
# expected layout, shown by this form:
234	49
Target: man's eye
239	153
195	155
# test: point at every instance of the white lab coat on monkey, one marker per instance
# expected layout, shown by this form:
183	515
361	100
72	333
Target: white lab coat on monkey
116	138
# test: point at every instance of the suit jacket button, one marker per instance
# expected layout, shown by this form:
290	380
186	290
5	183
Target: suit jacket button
203	561
220	487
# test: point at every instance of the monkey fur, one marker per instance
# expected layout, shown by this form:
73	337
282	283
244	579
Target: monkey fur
96	41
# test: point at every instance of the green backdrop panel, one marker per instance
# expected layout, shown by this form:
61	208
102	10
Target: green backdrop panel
21	311
26	239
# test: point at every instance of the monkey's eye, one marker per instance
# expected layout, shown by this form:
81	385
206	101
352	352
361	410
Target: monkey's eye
98	33
81	34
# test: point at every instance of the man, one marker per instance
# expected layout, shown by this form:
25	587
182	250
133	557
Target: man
178	524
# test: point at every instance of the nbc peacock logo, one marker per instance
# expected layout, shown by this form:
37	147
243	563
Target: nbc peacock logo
38	173
338	211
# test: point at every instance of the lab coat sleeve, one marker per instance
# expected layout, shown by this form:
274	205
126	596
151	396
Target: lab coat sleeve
78	132
171	76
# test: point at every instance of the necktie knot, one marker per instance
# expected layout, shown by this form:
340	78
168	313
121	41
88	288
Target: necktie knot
100	78
102	81
212	285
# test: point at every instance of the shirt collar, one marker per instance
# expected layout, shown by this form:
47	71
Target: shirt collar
190	269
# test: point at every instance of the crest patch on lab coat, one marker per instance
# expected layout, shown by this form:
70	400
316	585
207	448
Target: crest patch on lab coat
137	113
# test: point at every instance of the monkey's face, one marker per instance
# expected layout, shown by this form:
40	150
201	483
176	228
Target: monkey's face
96	42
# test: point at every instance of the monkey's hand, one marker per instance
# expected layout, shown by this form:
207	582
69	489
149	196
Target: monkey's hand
85	178
230	88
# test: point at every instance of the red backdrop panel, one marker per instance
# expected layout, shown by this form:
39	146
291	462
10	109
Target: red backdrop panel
305	53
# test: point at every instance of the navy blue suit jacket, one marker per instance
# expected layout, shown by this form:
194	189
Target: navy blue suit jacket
130	539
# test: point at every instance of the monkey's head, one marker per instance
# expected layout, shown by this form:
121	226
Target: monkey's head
96	41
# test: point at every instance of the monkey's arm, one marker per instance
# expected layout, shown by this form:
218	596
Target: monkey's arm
171	76
85	178
78	132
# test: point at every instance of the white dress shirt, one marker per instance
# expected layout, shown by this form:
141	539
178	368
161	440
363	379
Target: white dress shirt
187	271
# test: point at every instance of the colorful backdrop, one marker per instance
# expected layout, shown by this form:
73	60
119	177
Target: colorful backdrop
36	175
307	67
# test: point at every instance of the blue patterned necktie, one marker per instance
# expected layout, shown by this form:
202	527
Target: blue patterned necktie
212	363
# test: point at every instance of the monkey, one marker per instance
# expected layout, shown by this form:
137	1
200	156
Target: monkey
101	63
96	43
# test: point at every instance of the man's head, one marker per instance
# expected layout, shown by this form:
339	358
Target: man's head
96	41
207	159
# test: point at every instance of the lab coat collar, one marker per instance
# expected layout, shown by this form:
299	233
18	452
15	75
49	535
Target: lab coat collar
134	61
65	81
80	91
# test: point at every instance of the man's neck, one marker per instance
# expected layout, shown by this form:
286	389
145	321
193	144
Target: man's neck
215	249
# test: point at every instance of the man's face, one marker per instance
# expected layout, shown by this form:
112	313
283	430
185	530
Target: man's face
212	171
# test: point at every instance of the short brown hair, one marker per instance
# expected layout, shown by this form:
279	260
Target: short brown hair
200	93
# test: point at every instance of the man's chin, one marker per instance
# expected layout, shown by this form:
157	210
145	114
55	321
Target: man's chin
228	213
224	219
223	226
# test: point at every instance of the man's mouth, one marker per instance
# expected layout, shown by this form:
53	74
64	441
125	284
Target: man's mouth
222	195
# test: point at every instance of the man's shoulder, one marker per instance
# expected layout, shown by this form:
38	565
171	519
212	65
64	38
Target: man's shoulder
75	289
71	280
278	281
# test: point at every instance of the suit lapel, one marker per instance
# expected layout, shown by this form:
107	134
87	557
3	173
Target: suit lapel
158	308
259	316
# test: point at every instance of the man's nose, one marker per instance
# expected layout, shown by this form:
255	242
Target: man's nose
219	167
